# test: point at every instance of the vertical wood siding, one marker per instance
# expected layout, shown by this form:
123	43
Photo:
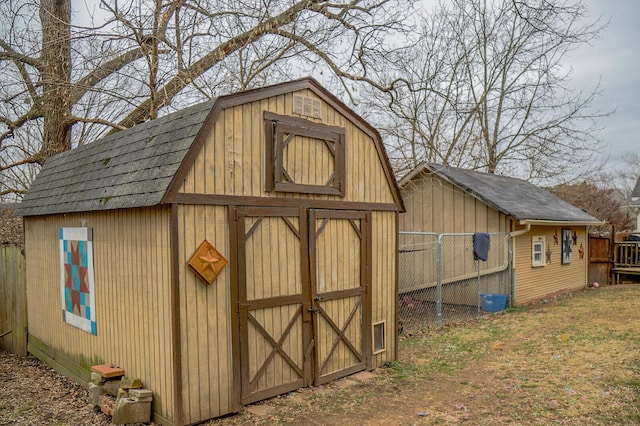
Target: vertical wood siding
308	161
338	265
384	291
273	270
533	283
435	205
131	263
205	316
133	266
232	160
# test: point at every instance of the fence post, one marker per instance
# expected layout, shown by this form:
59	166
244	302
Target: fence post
13	314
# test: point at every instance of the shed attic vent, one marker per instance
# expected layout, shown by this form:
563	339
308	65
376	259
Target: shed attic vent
307	106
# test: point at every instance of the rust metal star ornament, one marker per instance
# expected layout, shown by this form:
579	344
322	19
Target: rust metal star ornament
207	262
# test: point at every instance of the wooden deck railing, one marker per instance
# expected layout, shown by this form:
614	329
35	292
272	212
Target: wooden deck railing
626	259
626	254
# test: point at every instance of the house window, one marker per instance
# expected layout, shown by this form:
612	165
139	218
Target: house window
303	156
568	237
378	338
537	249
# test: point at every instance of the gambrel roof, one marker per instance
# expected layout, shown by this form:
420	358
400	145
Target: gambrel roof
131	168
139	167
510	196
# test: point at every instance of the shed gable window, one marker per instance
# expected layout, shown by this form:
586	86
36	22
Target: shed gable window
537	250
303	156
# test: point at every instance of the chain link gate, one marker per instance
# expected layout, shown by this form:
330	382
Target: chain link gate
440	282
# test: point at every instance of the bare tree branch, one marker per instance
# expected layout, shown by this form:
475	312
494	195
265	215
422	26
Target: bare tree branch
67	83
498	97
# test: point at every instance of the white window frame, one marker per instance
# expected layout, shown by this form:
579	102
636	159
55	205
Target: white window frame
537	241
379	343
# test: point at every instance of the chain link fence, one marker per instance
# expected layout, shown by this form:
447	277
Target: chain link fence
440	282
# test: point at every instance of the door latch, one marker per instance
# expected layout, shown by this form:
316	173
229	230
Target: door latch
314	310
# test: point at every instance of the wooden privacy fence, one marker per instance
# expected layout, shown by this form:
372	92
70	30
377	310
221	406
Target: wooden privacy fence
599	259
13	301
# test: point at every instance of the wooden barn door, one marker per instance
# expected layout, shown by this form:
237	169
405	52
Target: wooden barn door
272	259
302	299
339	281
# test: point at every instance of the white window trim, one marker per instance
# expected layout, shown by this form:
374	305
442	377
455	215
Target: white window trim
536	240
381	324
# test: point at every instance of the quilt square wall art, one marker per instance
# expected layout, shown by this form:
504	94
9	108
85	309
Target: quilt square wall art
76	278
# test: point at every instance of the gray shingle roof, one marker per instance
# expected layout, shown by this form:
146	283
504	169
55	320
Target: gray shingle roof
131	168
511	196
141	166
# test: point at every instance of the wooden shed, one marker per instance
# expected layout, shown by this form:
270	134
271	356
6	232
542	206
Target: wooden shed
549	235
223	254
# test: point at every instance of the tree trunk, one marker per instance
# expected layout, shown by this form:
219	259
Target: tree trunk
55	16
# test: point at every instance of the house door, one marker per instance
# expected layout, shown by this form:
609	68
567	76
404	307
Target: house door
301	298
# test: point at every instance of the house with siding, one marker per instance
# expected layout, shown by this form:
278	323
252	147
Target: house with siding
549	236
226	253
634	203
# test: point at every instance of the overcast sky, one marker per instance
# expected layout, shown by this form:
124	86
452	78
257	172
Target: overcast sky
615	60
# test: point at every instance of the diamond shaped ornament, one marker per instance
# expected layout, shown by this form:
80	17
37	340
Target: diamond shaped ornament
207	262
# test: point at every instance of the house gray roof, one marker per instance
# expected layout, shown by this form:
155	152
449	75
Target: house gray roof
515	197
131	168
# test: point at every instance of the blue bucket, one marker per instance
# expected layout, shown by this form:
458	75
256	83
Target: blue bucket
494	302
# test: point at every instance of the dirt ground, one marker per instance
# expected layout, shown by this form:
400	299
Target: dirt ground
574	360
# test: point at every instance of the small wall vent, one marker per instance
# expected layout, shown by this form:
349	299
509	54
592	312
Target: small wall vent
307	106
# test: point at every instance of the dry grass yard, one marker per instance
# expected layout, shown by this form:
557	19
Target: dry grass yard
574	360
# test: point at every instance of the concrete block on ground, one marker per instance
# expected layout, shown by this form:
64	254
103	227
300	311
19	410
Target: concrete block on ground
95	392
122	393
142	395
97	378
130	411
111	387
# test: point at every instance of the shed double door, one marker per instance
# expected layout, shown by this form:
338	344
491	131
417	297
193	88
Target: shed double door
302	301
